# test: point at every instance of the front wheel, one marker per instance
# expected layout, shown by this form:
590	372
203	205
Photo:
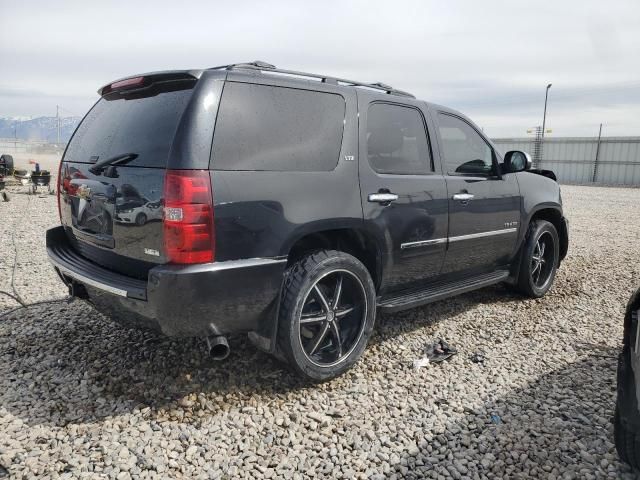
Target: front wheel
141	219
540	257
327	314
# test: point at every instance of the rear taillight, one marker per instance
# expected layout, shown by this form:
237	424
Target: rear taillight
58	190
128	83
188	217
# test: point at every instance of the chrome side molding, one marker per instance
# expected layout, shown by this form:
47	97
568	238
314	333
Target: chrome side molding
435	241
423	243
483	234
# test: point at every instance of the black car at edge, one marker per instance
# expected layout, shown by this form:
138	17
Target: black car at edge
291	206
627	414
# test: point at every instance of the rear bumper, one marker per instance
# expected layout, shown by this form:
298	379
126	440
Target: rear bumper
209	299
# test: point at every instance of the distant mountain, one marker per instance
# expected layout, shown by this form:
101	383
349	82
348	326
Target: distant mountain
40	129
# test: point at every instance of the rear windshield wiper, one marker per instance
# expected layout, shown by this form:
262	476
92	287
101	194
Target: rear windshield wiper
99	167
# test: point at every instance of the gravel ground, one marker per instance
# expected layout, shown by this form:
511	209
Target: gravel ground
80	396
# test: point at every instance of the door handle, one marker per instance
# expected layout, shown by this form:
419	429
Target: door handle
382	197
463	197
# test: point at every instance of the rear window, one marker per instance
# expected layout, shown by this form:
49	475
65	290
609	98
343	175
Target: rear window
143	126
261	127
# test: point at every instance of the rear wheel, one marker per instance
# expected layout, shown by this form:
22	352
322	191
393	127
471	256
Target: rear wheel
327	314
540	258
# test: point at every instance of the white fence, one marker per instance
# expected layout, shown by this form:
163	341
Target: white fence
573	159
615	161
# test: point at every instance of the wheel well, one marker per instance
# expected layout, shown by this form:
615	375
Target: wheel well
351	241
555	217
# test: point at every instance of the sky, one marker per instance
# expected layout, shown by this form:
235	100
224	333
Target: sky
492	60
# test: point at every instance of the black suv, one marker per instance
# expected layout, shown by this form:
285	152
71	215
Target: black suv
293	206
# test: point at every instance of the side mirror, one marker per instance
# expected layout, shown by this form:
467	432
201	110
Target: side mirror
516	161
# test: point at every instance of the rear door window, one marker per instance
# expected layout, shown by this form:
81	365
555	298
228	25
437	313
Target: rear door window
143	126
262	127
397	140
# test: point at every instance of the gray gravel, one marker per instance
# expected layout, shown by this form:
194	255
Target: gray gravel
80	396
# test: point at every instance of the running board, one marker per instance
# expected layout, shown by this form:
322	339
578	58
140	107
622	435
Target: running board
439	291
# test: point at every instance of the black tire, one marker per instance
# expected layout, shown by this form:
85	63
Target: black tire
7	161
627	442
626	421
309	287
536	281
141	219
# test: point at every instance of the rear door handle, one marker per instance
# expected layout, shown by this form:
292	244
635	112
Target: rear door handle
463	197
382	197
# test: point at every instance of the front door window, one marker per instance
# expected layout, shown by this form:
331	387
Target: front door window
465	151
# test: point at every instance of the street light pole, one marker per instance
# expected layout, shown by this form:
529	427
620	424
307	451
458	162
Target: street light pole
544	117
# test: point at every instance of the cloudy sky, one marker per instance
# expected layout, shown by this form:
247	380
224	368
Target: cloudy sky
490	59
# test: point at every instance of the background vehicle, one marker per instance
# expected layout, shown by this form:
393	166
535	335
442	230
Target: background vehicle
265	230
3	194
6	165
136	209
627	417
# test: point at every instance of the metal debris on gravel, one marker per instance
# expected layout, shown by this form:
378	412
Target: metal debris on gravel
82	397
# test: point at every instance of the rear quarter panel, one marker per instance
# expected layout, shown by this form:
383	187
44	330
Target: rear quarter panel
263	213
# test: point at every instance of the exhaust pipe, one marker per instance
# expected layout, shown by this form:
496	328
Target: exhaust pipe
218	347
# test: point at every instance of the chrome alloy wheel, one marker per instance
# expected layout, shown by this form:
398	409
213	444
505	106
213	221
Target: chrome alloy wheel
542	260
332	318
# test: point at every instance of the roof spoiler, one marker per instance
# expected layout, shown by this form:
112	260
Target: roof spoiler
141	82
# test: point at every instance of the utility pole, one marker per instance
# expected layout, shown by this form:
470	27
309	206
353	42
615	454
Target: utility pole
544	116
58	121
595	164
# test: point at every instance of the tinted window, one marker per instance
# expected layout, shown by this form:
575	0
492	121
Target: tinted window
260	127
144	126
464	150
397	140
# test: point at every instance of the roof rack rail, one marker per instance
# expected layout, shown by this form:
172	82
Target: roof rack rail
267	67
